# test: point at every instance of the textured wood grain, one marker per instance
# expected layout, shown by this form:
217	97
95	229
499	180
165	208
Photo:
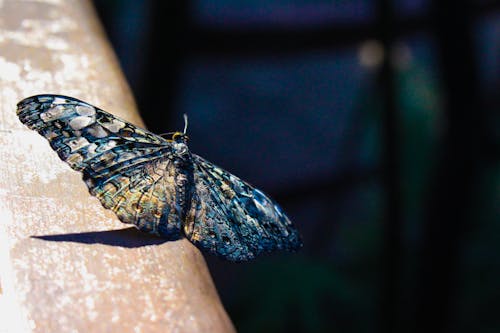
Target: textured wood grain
66	263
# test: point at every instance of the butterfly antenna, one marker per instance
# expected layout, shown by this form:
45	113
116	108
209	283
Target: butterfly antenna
166	134
185	123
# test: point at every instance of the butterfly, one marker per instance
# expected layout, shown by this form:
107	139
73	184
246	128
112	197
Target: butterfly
157	184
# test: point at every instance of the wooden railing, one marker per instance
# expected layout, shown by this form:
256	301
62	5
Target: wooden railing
66	263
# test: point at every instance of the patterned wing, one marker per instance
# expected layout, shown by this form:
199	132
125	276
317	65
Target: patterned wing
127	168
231	219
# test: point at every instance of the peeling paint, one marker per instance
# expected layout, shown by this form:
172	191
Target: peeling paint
13	318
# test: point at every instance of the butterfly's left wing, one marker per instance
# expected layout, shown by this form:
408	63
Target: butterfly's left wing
127	168
232	219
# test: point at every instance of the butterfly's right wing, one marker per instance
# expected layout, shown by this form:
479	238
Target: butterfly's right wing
127	168
233	220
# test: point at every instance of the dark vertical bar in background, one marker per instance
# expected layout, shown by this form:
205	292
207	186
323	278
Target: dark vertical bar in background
452	189
169	29
391	251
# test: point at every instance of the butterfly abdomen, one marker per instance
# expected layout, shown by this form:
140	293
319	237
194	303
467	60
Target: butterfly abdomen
184	182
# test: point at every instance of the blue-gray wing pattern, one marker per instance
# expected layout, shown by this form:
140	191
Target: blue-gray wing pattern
127	168
144	196
158	185
231	219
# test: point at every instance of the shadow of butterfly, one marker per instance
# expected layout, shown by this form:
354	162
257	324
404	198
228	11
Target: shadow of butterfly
157	184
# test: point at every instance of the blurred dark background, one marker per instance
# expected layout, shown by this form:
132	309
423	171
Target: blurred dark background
375	124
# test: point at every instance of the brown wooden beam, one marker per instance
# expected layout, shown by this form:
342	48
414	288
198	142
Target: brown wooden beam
66	264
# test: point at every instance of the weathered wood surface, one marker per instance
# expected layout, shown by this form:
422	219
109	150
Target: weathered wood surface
96	275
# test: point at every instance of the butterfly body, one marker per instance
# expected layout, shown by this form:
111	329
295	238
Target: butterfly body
158	185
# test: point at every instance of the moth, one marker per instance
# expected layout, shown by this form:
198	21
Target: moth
157	184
